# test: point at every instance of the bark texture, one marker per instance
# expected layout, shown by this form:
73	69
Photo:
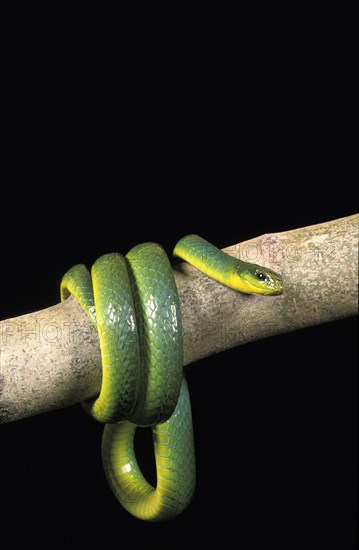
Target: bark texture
51	359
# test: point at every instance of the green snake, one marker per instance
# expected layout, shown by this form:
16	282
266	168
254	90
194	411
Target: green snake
133	303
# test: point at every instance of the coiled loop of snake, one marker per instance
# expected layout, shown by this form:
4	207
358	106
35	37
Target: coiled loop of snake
133	303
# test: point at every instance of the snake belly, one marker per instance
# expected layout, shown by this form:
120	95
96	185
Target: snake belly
133	303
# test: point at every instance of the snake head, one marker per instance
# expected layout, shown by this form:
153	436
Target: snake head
255	279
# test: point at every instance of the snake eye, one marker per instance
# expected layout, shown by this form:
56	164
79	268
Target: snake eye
261	276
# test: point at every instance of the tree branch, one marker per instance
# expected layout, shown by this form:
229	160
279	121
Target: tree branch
51	358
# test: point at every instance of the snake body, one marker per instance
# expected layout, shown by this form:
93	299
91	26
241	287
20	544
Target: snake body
133	303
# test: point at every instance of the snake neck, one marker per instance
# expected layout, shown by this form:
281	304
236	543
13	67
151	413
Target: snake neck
207	258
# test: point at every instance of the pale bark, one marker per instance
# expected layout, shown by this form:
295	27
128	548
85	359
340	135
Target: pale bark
51	359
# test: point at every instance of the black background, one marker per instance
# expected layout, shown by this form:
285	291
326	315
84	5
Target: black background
146	123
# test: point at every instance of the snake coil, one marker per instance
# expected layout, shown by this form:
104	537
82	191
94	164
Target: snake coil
133	303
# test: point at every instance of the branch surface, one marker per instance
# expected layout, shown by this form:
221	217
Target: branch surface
50	359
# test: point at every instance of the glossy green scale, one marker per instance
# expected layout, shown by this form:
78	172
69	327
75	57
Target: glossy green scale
175	465
241	276
133	303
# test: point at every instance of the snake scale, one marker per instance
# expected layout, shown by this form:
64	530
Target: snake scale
133	303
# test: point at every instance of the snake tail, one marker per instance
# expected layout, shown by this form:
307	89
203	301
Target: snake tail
175	465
